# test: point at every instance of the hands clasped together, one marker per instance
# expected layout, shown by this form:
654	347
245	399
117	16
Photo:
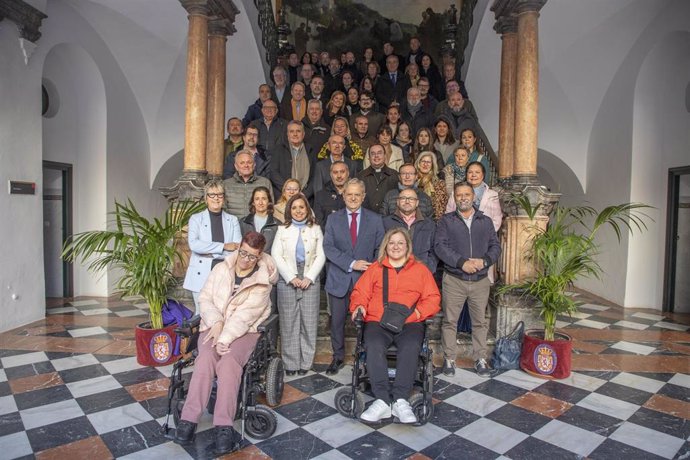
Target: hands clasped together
472	265
213	334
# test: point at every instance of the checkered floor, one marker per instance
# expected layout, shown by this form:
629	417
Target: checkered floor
83	400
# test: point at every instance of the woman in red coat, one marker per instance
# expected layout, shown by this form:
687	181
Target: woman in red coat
410	283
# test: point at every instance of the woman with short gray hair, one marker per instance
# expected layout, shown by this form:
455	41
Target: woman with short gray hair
212	235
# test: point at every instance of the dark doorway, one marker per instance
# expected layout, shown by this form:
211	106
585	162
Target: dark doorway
57	227
676	285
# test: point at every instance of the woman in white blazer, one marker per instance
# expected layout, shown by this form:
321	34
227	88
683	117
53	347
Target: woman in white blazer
212	235
298	252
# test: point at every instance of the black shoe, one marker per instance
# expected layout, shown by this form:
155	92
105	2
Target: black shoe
482	368
335	366
227	440
448	367
303	371
184	434
290	373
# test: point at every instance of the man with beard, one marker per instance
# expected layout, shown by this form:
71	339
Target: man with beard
422	229
330	198
280	78
233	143
366	108
466	242
317	89
407	179
451	88
458	114
413	112
428	100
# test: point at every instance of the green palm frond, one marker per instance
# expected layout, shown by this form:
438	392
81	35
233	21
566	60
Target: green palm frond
142	249
561	254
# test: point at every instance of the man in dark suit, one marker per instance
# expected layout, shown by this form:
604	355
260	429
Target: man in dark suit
351	242
392	85
330	198
336	149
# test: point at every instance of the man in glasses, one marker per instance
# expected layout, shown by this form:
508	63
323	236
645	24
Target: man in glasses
407	215
407	175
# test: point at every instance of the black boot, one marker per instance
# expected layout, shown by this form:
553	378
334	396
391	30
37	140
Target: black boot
184	434
227	440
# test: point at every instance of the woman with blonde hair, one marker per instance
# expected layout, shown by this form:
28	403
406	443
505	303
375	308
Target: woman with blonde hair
335	107
411	285
291	187
429	183
299	256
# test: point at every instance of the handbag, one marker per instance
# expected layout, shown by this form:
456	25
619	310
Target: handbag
507	352
394	314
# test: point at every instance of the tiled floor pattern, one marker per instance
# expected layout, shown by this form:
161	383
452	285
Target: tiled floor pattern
71	388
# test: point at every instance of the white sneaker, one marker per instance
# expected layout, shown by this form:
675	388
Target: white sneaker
377	411
403	411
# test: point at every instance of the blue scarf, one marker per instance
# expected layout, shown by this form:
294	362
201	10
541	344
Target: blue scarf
479	193
299	250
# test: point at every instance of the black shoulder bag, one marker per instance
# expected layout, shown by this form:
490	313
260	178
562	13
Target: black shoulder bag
508	348
394	314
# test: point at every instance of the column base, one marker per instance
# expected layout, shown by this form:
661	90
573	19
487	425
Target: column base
189	186
509	309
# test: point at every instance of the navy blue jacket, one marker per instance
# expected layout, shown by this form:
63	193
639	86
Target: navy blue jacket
455	243
253	113
422	233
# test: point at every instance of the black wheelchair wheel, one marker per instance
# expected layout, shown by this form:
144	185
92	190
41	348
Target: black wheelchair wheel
261	422
343	402
274	381
422	407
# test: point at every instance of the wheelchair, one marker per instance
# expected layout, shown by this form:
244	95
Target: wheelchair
263	373
349	400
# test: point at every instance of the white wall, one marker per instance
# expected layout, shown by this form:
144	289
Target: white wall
76	135
591	53
21	226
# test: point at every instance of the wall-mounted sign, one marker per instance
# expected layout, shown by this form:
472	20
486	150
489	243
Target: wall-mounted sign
22	188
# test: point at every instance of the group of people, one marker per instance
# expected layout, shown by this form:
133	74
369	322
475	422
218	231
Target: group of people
308	195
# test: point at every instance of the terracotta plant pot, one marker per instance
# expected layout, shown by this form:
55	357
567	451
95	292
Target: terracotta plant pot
550	359
155	347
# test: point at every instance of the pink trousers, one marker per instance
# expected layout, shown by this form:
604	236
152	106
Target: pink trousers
228	368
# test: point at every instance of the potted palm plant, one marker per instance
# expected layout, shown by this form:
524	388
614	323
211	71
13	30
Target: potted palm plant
563	252
144	251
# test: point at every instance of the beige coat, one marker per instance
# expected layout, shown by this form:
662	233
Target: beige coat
246	309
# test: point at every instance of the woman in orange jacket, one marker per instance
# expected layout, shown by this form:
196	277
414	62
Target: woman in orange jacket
410	284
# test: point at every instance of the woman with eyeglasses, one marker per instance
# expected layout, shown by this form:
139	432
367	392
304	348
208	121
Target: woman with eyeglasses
212	235
298	252
234	302
411	285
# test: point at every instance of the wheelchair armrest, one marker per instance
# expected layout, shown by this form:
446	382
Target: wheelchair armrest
189	326
359	320
268	323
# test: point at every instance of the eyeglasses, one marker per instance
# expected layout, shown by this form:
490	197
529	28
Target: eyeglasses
426	162
269	107
215	195
409	199
245	255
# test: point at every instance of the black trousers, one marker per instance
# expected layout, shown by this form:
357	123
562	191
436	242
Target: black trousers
340	310
376	343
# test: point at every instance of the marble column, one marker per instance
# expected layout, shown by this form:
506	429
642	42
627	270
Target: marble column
196	90
527	91
507	27
215	121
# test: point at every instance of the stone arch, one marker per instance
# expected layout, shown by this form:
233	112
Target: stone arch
555	173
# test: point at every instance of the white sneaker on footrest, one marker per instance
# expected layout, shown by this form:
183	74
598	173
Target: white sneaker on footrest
376	412
403	411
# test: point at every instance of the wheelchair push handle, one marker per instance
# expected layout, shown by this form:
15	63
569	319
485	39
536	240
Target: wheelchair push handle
359	319
188	326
